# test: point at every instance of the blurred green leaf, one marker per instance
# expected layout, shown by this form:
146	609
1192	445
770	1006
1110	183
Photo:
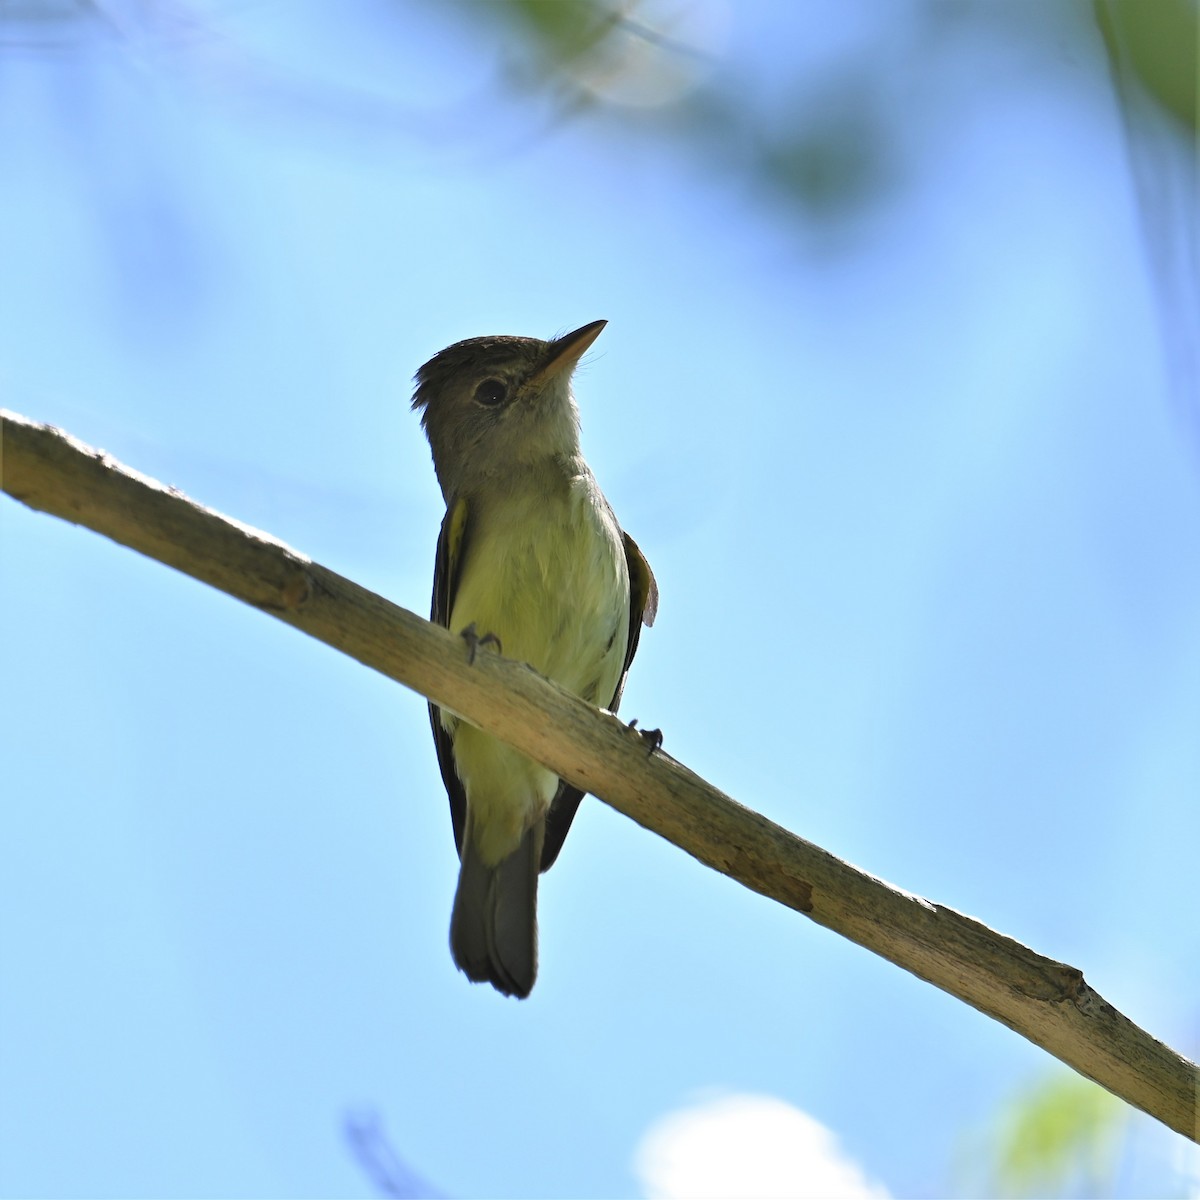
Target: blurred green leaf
1061	1135
561	29
1158	42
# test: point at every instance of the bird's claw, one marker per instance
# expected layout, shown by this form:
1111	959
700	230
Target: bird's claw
653	737
471	636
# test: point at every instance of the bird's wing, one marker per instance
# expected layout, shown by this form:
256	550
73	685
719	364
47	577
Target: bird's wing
452	541
643	607
643	599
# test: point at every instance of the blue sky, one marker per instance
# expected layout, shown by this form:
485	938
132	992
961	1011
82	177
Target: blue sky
918	486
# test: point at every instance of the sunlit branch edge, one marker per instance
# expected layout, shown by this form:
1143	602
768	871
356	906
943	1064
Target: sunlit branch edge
1047	1002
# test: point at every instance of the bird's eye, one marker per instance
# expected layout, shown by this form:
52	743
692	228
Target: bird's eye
491	392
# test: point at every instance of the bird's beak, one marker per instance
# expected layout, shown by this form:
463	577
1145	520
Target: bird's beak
565	352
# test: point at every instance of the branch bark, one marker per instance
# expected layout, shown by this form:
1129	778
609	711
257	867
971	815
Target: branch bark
1045	1001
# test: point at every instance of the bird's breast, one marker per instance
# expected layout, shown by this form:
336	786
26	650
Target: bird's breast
547	576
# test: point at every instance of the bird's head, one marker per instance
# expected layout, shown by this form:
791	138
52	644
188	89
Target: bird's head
494	405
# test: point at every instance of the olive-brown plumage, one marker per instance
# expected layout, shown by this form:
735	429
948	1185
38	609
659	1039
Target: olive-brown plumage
530	553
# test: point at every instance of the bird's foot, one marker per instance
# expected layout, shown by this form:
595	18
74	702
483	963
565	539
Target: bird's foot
652	737
472	637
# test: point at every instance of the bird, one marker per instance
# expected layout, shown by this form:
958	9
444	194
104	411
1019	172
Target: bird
532	562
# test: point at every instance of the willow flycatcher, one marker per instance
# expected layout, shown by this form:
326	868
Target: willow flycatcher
530	558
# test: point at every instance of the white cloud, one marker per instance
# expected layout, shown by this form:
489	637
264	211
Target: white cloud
745	1146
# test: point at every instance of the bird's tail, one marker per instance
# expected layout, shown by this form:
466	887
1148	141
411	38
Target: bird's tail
493	930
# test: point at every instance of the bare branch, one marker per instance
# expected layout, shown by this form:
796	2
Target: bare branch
1045	1001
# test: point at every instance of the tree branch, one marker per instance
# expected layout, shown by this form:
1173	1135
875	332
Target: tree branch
1045	1001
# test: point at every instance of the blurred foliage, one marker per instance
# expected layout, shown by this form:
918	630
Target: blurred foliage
1061	1135
827	148
831	149
1158	43
1157	40
1153	51
824	148
560	31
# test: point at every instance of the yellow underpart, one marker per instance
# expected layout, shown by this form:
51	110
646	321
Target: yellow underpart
548	577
